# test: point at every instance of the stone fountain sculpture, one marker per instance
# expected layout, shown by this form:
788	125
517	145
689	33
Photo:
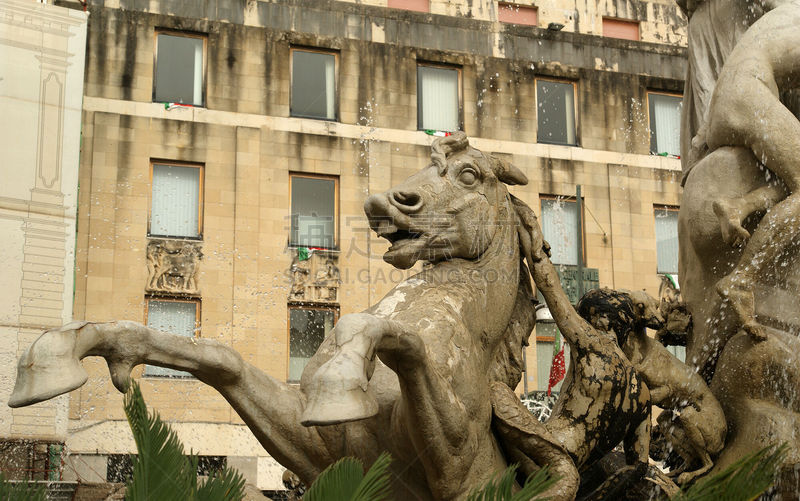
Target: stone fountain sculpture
426	373
739	224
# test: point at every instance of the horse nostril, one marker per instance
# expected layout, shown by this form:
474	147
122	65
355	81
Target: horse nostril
406	199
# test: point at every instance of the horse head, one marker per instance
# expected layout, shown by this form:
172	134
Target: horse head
449	209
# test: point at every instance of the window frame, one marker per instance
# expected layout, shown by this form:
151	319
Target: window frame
650	118
575	106
570	199
668	208
637	22
197	328
502	4
304	305
316	50
204	72
459	86
200	197
335	178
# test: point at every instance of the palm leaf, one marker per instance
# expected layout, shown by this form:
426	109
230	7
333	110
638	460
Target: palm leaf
226	485
501	487
21	491
161	470
744	480
338	482
375	484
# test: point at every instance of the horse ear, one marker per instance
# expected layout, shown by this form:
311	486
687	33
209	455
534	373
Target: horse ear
507	173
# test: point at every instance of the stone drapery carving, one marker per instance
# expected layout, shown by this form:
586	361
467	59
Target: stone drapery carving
315	279
172	266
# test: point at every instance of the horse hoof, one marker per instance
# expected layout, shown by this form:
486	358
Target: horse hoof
338	393
48	368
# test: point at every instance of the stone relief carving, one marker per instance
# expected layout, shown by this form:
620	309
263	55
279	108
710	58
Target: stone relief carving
172	266
315	278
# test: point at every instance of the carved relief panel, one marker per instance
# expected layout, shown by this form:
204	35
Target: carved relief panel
172	266
314	277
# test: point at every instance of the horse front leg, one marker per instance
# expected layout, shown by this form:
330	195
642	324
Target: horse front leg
51	366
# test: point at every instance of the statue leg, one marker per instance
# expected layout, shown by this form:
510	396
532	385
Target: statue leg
51	366
774	237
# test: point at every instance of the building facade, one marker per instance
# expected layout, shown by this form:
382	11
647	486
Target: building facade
228	147
42	53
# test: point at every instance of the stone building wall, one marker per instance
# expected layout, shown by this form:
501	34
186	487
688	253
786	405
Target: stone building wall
247	144
41	84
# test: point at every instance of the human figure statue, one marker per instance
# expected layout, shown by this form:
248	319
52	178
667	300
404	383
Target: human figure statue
698	429
746	111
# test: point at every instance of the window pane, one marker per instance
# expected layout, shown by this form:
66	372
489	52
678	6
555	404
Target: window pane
555	112
179	70
665	124
307	330
313	85
679	352
174	317
544	356
560	229
175	209
313	212
437	98
517	14
667	240
618	28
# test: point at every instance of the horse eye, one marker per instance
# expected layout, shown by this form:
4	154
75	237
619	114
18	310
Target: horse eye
467	176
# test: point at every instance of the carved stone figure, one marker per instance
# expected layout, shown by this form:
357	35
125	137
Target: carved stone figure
315	278
172	266
412	374
745	160
698	428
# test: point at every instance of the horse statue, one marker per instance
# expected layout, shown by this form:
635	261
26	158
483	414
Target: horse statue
426	372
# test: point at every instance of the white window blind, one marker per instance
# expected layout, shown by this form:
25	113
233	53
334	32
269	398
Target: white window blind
313	212
437	98
313	85
555	112
667	240
560	229
665	124
179	70
173	317
307	330
175	208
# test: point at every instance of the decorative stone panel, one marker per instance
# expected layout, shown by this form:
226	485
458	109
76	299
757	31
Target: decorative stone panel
315	276
172	266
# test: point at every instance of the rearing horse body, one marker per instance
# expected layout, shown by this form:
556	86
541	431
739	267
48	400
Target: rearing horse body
410	375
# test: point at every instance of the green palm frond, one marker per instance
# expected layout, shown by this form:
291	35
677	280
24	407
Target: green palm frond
375	484
225	485
161	470
500	488
21	491
345	480
744	480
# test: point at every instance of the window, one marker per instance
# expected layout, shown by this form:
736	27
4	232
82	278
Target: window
176	206
438	98
679	352
180	68
308	327
619	28
175	316
555	112
119	468
560	229
665	123
667	239
545	339
314	202
417	5
517	14
313	84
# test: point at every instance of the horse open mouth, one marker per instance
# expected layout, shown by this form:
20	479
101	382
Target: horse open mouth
401	235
